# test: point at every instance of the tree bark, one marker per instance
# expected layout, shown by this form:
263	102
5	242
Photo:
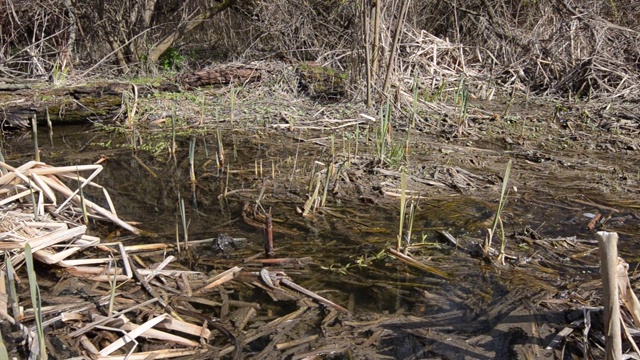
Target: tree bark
73	26
186	27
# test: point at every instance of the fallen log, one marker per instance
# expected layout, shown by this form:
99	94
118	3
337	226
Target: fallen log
99	102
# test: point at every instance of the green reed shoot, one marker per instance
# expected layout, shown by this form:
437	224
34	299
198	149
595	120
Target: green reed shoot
35	300
326	185
412	215
457	94
178	236
220	158
513	98
355	151
206	148
497	220
337	174
382	132
260	197
3	171
183	217
134	141
403	206
461	98
83	205
172	148
34	203
414	104
59	72
366	134
113	282
192	156
464	110
233	103
226	183
34	128
131	101
311	202
437	93
49	126
3	349
503	241
395	155
235	150
414	114
313	175
201	121
333	148
11	288
295	161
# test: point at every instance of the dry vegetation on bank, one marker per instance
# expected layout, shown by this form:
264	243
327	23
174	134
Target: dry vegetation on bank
570	49
439	67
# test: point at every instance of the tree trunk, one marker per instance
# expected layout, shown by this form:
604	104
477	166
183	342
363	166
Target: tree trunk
185	27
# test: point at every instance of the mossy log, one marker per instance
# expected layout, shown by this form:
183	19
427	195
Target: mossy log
221	76
97	102
100	102
321	82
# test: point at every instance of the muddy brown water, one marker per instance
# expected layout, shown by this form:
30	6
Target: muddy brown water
342	243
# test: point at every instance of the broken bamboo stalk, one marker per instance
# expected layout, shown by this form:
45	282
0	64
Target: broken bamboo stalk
57	185
608	245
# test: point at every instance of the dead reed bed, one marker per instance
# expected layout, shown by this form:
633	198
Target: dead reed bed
96	299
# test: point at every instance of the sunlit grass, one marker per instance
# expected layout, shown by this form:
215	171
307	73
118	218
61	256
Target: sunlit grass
403	207
497	220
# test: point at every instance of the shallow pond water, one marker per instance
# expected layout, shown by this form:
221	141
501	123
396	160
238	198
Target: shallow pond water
342	243
342	240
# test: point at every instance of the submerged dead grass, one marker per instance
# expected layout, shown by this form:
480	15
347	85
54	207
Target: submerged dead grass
110	300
